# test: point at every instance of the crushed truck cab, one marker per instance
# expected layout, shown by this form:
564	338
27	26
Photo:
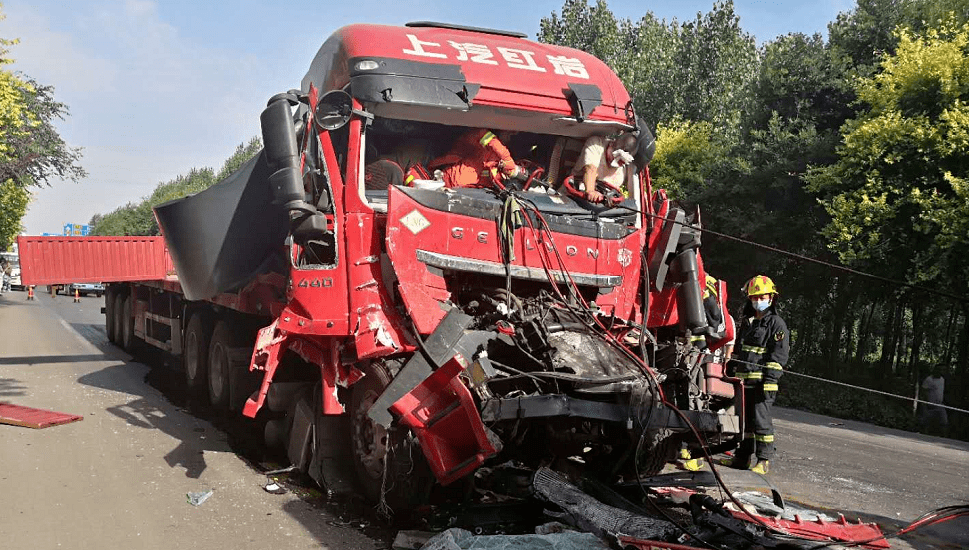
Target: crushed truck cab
398	334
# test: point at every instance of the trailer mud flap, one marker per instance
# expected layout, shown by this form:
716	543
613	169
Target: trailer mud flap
443	416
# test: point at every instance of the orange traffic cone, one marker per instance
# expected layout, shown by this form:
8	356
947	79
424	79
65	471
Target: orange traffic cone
30	292
77	296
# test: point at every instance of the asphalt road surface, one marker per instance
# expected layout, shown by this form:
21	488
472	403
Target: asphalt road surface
120	477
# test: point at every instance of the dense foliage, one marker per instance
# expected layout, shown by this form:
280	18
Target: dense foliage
851	151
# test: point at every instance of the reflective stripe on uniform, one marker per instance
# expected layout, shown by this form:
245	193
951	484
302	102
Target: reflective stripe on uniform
770	387
698	338
750	375
765	438
773	365
409	179
486	139
753	349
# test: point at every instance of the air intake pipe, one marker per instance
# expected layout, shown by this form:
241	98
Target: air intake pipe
282	153
689	300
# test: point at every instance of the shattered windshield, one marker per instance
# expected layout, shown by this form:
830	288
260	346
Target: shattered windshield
541	167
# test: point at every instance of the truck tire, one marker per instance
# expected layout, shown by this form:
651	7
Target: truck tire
128	339
109	317
195	355
227	350
408	477
659	449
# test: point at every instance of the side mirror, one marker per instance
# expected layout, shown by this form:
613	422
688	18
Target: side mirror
645	145
333	110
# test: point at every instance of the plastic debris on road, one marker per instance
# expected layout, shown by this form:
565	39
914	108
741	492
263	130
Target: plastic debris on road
196	499
274	488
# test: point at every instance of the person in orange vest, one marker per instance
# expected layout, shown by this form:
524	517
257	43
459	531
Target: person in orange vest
763	347
477	158
30	292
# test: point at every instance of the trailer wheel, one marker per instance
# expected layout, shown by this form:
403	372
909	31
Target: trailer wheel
128	339
225	364
109	317
408	477
195	356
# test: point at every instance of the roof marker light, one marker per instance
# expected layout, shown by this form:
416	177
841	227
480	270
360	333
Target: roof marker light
366	65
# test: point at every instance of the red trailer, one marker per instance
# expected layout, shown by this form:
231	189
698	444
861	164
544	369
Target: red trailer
398	337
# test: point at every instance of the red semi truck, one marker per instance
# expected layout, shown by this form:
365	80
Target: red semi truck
394	337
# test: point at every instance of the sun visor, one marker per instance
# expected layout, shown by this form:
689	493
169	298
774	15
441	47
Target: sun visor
221	238
386	80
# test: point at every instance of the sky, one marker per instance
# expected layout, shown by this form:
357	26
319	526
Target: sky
155	89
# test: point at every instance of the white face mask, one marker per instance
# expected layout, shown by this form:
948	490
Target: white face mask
760	305
620	158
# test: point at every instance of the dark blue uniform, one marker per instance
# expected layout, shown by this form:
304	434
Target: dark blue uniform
762	350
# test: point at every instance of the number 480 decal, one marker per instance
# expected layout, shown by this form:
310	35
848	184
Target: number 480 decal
325	282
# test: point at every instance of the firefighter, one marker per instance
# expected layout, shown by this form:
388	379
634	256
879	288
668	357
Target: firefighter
476	160
602	160
763	345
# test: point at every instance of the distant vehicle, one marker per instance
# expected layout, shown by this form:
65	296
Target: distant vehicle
86	288
15	283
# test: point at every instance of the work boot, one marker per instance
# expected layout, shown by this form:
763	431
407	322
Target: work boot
762	467
690	463
738	462
693	465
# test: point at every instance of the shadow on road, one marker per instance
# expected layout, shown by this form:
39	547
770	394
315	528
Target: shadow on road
833	423
11	387
50	359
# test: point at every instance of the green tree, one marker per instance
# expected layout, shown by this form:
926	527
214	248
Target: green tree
897	195
13	206
700	70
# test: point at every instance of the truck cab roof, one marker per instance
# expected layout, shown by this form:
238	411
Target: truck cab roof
472	77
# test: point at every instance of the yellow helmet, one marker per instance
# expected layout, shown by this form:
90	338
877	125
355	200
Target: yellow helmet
710	287
761	284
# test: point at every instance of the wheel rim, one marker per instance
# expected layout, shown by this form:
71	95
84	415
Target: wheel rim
218	368
370	439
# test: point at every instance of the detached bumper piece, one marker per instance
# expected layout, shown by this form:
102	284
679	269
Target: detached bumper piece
441	412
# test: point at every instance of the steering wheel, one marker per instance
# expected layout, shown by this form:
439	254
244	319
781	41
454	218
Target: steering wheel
611	195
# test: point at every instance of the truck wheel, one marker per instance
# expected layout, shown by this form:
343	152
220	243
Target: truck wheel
408	477
128	339
659	448
119	320
109	317
195	355
224	364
